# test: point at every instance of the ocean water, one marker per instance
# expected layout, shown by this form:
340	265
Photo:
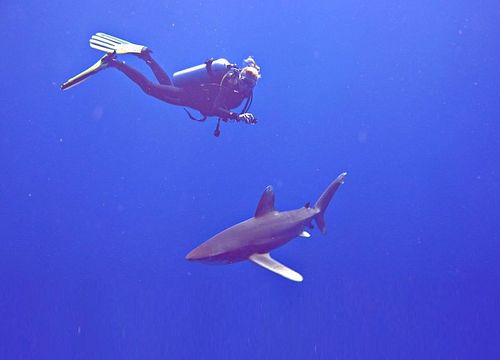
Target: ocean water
104	190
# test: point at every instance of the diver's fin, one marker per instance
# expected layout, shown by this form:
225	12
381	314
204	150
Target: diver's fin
110	44
267	262
84	75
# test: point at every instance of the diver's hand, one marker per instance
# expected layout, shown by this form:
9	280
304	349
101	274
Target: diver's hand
247	118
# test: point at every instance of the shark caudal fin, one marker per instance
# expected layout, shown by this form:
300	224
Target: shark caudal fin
324	200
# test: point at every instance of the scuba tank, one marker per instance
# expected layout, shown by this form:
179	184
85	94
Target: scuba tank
211	71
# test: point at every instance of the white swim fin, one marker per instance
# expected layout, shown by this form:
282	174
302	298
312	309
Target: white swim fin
84	75
110	44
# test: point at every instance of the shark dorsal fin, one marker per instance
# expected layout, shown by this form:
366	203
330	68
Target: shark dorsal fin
266	202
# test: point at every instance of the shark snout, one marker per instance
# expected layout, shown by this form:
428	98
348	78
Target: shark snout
197	254
192	256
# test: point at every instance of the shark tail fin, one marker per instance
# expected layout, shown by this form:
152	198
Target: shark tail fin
324	200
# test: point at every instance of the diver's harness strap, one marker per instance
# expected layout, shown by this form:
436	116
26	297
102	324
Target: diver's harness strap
193	118
217	127
246	108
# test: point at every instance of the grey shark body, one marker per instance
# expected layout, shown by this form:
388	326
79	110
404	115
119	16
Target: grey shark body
253	239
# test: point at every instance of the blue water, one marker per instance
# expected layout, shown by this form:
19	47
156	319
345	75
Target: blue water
104	190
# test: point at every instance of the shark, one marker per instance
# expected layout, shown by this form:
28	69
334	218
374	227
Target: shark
254	238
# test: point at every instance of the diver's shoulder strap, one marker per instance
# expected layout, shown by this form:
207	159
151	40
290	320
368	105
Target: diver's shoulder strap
208	66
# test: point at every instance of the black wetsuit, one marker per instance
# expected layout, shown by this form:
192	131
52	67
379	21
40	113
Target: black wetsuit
213	99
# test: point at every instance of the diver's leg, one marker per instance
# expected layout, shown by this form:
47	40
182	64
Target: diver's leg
113	45
167	93
159	73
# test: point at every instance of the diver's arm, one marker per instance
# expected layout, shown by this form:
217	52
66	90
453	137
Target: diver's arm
227	115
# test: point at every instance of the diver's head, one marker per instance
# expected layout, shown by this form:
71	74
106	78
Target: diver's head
248	76
250	62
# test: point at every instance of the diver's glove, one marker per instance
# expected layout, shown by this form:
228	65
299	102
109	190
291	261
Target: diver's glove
247	118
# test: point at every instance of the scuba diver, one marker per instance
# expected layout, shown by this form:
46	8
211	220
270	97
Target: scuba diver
213	88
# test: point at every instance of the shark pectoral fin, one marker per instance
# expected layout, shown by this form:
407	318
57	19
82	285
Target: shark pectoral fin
304	234
266	261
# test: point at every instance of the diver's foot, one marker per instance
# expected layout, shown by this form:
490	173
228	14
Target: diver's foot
145	53
108	59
